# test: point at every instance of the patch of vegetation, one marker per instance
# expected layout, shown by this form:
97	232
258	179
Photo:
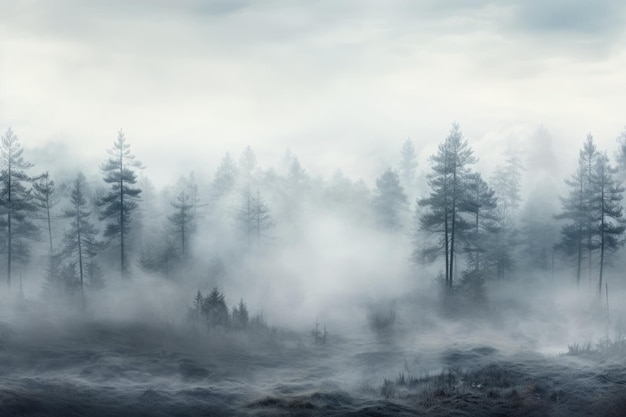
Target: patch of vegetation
605	348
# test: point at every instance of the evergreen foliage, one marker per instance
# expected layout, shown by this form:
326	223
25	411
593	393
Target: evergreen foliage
118	204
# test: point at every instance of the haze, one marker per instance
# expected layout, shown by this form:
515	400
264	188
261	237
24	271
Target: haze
324	208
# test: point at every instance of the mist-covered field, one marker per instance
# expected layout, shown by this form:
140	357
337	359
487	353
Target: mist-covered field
312	208
538	355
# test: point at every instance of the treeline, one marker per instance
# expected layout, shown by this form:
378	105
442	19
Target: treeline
474	226
212	311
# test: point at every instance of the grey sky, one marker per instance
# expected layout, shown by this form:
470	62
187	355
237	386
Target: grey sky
341	84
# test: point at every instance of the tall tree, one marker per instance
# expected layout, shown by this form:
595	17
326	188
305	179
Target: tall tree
389	200
621	154
182	219
80	243
43	192
480	204
506	180
408	163
225	177
587	156
607	210
16	201
119	203
577	235
448	182
254	217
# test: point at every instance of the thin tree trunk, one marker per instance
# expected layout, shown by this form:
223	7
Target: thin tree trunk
601	246
9	221
122	257
80	252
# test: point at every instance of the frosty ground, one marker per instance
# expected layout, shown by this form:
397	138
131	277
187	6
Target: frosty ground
421	365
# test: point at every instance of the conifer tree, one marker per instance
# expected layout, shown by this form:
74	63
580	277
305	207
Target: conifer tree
80	244
16	202
607	210
389	200
182	220
119	203
448	182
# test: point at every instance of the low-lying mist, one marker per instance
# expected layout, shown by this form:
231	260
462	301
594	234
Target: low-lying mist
275	292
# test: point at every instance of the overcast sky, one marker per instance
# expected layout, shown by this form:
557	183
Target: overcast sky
340	83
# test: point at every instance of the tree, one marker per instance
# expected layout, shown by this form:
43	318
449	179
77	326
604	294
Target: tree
43	192
254	217
80	244
481	204
16	201
577	234
408	163
621	154
182	219
119	203
607	210
225	177
389	200
506	180
240	316
214	309
588	156
448	183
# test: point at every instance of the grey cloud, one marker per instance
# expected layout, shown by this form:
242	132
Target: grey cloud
572	16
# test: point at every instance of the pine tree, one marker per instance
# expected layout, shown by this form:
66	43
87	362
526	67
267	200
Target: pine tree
448	183
182	220
225	177
43	193
240	315
214	309
607	210
577	236
119	203
16	202
506	181
389	200
480	204
80	244
588	156
254	217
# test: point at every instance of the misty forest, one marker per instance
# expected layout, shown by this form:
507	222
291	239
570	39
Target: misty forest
443	287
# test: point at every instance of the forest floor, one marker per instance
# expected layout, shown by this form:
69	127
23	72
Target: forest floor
100	368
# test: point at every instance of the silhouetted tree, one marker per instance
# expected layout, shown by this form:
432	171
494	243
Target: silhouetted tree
214	309
16	202
480	204
43	192
119	203
254	217
225	177
389	200
80	244
506	181
448	183
607	210
240	316
577	234
182	219
621	154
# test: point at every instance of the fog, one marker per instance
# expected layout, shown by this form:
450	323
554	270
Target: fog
260	208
